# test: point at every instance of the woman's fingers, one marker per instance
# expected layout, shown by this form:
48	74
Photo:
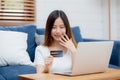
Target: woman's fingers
66	37
49	60
63	38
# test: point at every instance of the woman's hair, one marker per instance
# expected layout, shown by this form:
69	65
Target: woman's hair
49	25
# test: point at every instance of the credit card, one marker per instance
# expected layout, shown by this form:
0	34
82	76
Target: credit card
56	53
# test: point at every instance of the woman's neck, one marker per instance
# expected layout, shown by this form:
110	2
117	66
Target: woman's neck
56	45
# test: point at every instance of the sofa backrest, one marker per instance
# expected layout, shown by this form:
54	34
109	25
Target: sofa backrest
40	34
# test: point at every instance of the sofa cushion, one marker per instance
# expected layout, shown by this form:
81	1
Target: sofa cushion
12	72
13	47
77	34
30	30
1	77
115	57
113	66
39	38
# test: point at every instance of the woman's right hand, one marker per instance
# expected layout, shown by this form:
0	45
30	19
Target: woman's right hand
48	63
48	60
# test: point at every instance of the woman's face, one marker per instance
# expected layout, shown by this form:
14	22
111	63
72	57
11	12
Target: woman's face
58	29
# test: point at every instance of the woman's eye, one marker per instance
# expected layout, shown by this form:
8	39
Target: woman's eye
53	27
62	27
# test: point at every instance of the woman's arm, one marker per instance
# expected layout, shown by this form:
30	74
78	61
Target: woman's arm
45	69
39	69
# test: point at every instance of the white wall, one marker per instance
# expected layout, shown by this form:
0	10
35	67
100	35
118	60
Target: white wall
90	15
115	19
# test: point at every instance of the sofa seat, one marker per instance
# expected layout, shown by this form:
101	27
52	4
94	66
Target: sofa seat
113	66
1	77
11	72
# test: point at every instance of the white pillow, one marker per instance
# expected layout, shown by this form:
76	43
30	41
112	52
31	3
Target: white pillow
39	39
13	47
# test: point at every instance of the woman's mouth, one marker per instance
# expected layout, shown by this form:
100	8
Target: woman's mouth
58	36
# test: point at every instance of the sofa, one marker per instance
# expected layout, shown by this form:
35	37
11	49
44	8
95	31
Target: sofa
17	49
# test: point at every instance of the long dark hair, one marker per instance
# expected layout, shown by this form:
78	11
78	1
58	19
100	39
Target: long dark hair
49	25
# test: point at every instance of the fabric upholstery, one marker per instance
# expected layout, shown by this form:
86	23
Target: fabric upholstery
12	72
30	30
13	47
1	77
115	57
77	34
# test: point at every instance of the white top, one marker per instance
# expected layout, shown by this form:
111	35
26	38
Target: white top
60	64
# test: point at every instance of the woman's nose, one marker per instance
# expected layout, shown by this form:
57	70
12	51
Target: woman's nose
57	30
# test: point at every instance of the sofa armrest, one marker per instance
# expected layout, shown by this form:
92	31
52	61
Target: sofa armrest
115	56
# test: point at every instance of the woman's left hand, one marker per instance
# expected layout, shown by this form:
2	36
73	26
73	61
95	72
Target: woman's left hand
66	42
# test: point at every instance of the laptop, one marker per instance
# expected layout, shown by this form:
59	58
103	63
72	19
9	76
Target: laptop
91	57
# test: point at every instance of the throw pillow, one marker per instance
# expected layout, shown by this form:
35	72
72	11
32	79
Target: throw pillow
13	47
39	36
39	39
30	30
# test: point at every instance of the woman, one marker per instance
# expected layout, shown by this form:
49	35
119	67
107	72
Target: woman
58	36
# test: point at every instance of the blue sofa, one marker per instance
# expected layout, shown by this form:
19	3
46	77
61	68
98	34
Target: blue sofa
10	72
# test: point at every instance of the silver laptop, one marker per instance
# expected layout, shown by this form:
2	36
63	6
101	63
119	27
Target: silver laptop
92	57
